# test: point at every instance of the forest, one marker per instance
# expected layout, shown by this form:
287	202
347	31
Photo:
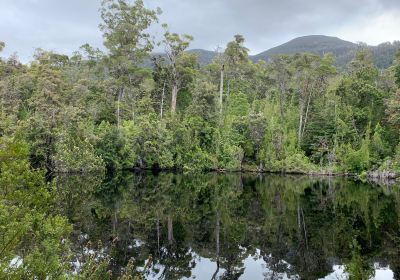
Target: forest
294	113
104	111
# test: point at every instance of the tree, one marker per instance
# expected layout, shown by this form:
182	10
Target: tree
397	69
124	30
236	60
31	233
204	99
175	45
281	73
311	73
45	106
161	77
393	102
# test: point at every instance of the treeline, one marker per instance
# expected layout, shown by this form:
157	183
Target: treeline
295	113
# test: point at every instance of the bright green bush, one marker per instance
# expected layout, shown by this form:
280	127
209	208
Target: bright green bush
76	155
111	146
33	238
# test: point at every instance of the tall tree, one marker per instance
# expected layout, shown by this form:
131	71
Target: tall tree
125	36
236	59
311	73
175	45
161	77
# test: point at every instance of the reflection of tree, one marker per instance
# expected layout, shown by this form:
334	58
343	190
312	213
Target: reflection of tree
305	222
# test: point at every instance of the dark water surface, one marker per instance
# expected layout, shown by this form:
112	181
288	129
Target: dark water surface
235	226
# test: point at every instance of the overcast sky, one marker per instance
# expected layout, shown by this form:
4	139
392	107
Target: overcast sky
64	25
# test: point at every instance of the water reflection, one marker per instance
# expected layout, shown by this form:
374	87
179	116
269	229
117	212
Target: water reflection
237	226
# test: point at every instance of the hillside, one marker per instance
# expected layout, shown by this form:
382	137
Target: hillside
318	44
383	54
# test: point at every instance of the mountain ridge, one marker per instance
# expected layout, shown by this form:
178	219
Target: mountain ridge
343	51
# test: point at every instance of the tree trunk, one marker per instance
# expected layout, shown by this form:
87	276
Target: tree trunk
217	233
158	235
170	230
120	95
306	116
221	89
304	228
162	101
174	96
301	111
302	101
282	88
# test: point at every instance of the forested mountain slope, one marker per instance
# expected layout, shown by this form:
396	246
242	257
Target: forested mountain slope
343	51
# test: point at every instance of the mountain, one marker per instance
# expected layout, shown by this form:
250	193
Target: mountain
318	44
342	50
205	57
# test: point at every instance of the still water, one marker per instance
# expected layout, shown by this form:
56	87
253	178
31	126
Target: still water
235	226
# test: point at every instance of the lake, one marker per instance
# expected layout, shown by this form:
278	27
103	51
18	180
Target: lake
234	226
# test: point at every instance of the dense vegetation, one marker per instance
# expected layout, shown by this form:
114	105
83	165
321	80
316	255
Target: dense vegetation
295	113
343	52
98	111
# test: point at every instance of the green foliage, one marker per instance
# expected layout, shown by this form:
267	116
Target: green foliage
32	237
76	155
397	68
112	148
358	268
352	160
238	104
149	141
292	113
378	147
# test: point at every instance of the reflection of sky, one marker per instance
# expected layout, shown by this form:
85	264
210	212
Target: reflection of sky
256	268
381	273
205	268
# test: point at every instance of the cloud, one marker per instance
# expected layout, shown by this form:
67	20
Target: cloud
64	25
54	25
375	30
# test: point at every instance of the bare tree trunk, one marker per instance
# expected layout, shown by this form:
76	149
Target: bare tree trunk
120	96
115	222
304	228
282	94
298	216
174	96
158	235
133	108
302	101
308	107
301	110
162	101
170	230
306	116
217	233
221	89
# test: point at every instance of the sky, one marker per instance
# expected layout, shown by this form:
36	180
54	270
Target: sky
64	25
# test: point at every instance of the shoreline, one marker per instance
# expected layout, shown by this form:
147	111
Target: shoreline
370	176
